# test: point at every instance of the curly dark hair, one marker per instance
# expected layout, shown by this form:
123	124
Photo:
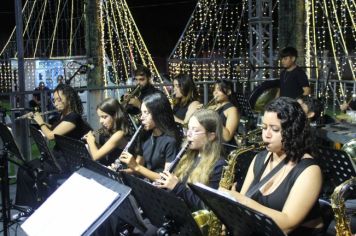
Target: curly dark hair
159	107
314	105
75	104
296	139
187	88
112	107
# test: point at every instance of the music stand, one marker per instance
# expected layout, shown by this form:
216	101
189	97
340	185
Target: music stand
44	149
239	219
337	167
41	222
9	146
77	156
74	152
167	212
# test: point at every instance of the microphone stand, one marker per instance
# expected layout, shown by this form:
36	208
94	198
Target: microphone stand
81	70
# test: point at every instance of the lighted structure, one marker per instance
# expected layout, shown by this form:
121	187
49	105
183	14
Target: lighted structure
56	31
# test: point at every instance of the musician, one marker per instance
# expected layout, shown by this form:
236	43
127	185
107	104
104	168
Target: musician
293	80
203	161
227	109
349	105
290	196
36	97
143	77
312	107
114	132
71	124
186	98
158	146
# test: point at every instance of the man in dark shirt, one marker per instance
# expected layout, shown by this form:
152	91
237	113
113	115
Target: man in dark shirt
143	78
293	80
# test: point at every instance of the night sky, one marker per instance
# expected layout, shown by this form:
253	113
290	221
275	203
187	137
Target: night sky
160	22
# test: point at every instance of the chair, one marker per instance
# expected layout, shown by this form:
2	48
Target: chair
337	167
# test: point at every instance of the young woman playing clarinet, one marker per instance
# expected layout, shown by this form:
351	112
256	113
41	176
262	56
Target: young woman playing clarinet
113	134
203	161
160	140
186	98
289	195
71	124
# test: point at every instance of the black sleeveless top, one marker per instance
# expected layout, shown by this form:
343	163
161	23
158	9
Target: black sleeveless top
223	119
180	111
221	110
111	156
278	197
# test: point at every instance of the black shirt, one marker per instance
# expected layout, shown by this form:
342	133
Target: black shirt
112	155
81	127
145	91
157	150
292	83
180	111
223	119
192	200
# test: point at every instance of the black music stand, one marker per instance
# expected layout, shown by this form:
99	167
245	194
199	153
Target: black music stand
167	212
9	147
44	150
246	112
51	205
337	167
239	219
77	156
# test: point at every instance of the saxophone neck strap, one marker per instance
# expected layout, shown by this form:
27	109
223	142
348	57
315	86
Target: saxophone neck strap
253	189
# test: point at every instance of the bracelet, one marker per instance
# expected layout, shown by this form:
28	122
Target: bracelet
42	125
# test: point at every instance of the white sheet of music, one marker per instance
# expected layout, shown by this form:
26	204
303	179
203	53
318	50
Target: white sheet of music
224	194
71	209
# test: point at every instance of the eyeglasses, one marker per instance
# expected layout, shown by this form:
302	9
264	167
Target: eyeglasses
193	132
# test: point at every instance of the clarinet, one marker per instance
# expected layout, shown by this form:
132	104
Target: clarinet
118	165
177	159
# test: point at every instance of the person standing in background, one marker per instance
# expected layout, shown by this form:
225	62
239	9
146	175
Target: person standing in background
293	80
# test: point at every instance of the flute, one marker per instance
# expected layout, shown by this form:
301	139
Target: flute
30	114
95	133
118	165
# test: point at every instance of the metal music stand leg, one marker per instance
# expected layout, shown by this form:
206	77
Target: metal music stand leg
5	192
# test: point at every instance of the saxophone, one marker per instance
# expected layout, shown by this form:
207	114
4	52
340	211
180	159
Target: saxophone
208	218
342	221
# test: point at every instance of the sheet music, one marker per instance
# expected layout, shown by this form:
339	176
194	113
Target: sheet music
224	194
75	205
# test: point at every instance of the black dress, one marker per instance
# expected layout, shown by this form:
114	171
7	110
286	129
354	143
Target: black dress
35	186
278	197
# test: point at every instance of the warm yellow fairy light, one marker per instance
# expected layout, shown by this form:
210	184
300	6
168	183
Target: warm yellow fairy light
40	28
54	33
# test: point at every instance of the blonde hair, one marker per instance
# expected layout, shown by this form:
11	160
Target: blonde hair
209	154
